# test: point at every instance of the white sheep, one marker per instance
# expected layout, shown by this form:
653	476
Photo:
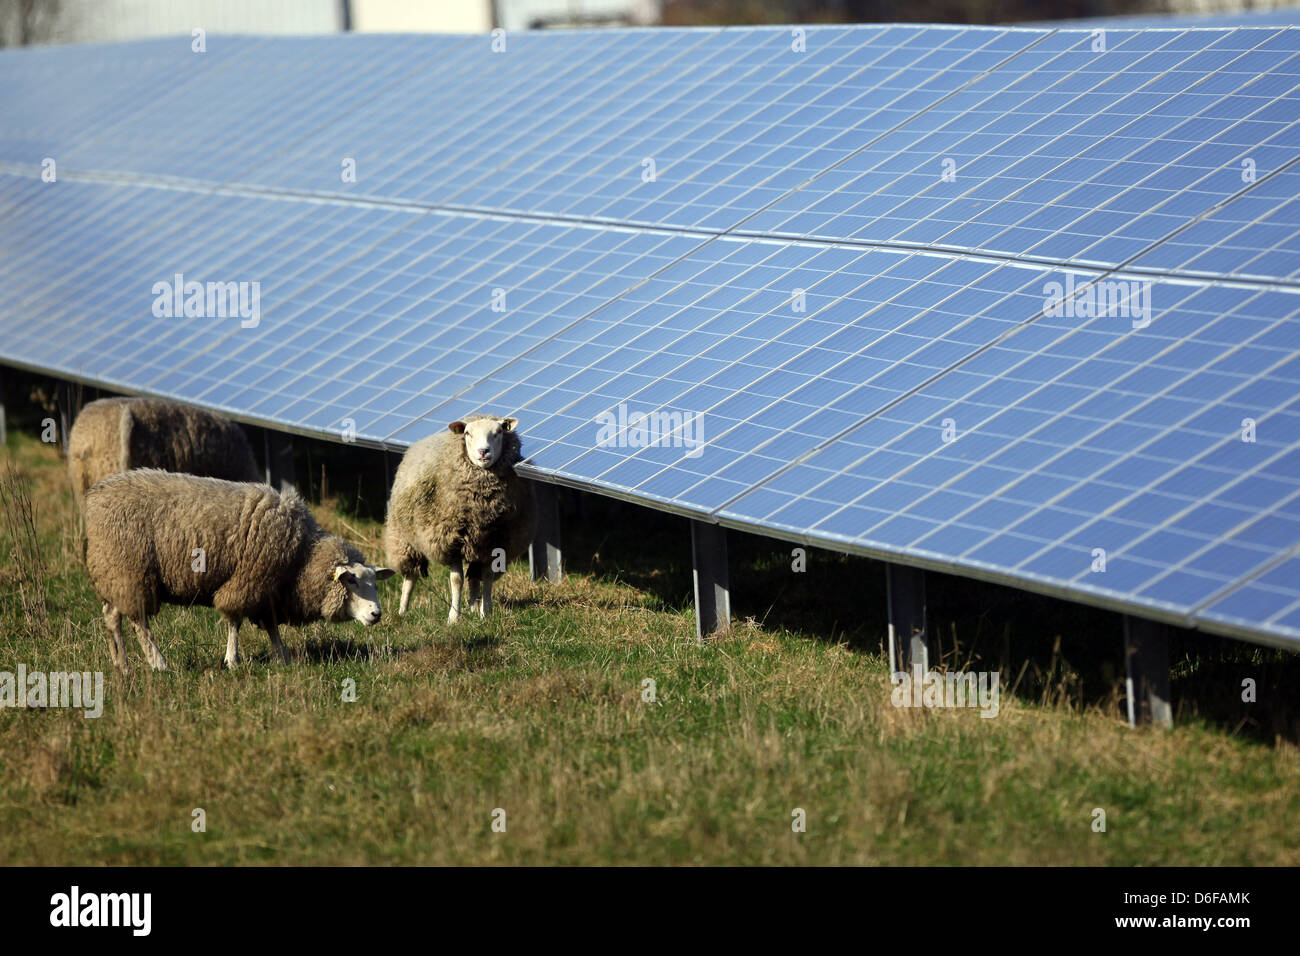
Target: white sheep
155	537
457	500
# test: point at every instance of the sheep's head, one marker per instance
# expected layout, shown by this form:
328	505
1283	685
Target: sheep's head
484	438
361	602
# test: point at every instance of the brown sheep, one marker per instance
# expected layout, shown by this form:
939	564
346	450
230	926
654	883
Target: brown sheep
118	434
154	537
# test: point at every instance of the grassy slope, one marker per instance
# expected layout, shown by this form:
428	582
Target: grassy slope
539	712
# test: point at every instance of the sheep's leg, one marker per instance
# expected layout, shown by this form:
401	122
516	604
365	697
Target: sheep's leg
485	603
475	575
273	631
456	578
116	646
232	642
151	652
408	585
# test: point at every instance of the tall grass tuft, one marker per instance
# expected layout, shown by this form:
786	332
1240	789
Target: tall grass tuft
29	572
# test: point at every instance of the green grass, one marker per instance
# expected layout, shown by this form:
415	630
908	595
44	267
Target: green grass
539	711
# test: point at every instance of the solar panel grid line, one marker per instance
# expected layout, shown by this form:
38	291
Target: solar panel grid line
1259	41
794	190
993	573
240	189
197	228
237	189
226	118
1277	212
902	474
328	298
495	110
1293	60
631	277
956	148
230	63
1150	582
1009	332
651	278
233	249
333	90
390	438
806	455
343	236
848	428
1257	185
86	266
649	92
1193	185
160	101
286	147
174	221
473	317
814	345
493	106
686	334
1010	61
45	73
611	108
322	284
1183	22
768	84
1270	565
1245	630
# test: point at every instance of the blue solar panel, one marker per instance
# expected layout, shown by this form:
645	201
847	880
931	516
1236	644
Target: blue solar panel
987	299
1136	448
1066	154
1255	236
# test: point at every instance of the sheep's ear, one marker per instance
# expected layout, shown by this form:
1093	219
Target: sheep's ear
457	427
341	573
383	574
509	424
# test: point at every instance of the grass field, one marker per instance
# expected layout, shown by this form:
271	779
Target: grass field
540	712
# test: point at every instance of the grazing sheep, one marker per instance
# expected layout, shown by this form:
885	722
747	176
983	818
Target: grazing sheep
118	434
457	500
155	537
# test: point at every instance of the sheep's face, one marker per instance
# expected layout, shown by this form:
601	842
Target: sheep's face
362	603
484	438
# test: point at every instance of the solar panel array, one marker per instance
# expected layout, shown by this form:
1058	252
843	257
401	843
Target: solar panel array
1020	304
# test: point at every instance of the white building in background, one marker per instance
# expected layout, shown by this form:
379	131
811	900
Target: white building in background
90	21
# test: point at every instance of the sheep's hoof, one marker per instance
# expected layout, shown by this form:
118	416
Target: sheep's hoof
453	618
228	664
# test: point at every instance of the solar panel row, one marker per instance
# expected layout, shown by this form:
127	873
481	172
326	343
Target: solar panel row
990	300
